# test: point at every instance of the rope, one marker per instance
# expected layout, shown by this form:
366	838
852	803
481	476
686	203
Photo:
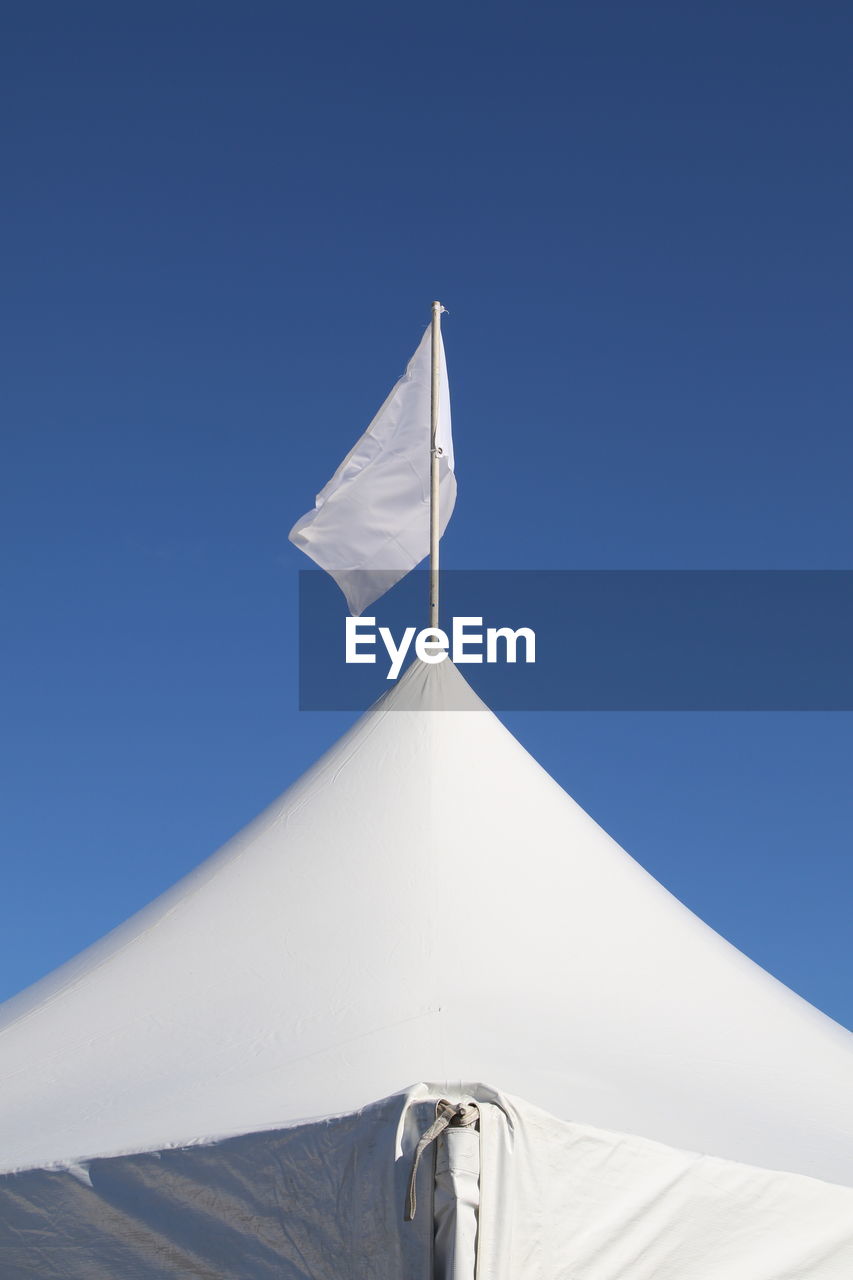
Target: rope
447	1114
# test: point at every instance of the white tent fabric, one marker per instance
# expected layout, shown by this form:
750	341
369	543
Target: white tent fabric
323	1201
424	904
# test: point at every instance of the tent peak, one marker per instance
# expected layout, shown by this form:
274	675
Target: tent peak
438	686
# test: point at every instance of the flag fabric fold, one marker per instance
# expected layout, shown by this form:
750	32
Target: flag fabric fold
370	524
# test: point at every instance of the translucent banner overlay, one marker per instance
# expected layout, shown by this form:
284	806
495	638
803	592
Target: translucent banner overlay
606	640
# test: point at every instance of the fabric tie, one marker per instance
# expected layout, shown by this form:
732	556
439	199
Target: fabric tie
447	1114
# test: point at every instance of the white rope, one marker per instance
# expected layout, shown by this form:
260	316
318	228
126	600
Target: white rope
447	1114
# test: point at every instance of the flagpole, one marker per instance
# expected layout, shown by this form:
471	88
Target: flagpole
433	467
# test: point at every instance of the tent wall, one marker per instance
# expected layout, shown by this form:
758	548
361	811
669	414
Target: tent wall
562	1201
324	1201
321	1201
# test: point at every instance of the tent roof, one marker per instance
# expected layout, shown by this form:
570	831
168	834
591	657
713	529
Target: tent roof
425	903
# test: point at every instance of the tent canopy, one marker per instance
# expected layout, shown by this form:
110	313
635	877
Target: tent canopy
425	907
424	904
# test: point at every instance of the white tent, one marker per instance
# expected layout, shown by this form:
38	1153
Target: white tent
232	1084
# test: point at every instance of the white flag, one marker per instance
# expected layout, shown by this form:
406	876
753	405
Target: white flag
370	525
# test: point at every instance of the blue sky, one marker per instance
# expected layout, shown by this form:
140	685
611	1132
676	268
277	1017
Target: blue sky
223	228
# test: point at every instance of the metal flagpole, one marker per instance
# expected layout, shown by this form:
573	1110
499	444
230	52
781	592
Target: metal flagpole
437	309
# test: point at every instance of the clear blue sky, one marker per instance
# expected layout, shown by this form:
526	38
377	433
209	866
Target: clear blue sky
223	228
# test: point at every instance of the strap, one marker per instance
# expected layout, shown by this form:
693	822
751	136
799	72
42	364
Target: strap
447	1114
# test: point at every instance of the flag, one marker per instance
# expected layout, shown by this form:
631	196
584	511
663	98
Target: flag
370	524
